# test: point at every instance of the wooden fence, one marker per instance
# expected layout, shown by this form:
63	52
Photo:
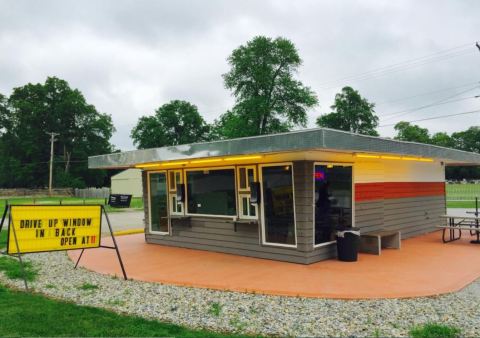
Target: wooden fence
92	193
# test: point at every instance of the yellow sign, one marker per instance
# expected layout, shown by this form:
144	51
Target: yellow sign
41	228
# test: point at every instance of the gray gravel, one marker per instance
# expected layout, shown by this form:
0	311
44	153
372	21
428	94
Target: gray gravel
250	313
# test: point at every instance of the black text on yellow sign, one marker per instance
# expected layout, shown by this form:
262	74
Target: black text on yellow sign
54	227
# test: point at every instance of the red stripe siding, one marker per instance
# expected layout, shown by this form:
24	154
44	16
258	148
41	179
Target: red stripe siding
384	190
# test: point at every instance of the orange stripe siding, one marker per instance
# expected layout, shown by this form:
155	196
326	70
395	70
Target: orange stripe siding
389	190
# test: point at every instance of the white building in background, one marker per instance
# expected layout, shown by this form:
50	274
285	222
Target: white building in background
128	182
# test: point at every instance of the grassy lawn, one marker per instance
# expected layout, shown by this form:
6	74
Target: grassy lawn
462	204
137	202
24	314
3	238
462	192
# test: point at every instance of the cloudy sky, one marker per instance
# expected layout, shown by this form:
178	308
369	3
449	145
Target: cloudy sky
130	57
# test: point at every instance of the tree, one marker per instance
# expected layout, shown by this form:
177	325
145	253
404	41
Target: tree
351	112
412	133
468	140
442	139
4	111
176	122
35	109
268	98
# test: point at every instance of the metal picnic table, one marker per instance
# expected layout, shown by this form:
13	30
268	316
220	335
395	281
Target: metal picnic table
469	223
459	223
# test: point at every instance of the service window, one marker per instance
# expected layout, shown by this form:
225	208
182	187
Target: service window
246	175
211	192
175	178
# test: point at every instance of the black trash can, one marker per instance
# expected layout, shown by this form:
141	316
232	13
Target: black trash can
348	241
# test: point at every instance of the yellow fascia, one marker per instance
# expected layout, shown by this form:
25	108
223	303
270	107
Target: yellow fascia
212	160
174	163
242	158
367	156
392	157
388	157
150	165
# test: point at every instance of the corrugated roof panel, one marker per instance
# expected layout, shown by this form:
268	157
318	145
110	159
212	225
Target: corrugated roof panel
309	139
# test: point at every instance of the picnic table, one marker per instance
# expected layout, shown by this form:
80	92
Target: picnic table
458	223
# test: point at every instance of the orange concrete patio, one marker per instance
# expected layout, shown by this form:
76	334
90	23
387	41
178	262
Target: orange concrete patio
423	267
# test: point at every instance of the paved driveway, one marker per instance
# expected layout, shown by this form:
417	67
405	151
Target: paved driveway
123	220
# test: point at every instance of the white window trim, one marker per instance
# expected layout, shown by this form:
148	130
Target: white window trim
260	175
163	233
232	217
245	192
349	164
173	193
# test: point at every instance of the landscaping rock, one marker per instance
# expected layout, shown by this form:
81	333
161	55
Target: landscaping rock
251	313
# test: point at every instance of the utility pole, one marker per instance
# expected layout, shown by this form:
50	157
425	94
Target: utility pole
50	180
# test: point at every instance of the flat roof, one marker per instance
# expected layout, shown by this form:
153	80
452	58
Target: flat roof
301	140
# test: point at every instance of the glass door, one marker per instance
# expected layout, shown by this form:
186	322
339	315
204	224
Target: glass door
158	202
333	200
278	205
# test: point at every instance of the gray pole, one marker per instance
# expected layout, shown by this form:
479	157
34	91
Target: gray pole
50	179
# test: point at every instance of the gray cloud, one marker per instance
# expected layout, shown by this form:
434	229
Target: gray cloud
129	57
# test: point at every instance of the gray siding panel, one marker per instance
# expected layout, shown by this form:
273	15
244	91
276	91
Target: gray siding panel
411	216
217	234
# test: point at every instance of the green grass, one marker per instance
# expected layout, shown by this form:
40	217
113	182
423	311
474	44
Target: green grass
215	309
432	330
462	204
24	314
137	202
463	191
11	267
88	286
3	238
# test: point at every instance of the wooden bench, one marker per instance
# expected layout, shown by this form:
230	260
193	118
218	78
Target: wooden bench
374	242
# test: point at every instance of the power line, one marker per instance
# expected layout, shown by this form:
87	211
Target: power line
392	71
434	55
406	98
412	63
436	103
434	118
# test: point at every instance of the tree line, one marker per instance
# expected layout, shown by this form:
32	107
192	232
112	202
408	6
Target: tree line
268	99
29	114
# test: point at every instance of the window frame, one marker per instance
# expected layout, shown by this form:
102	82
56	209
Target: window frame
346	164
245	193
232	217
172	193
163	233
260	173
